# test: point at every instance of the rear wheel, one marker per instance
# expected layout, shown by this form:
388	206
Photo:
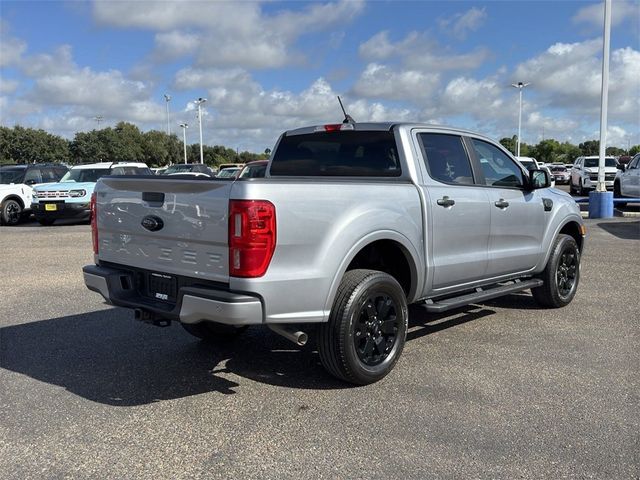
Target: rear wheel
213	332
367	328
561	275
10	212
618	194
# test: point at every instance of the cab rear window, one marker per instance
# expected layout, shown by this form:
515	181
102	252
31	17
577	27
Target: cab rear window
337	154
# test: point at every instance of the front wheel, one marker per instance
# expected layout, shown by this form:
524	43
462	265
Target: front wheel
561	275
367	327
10	212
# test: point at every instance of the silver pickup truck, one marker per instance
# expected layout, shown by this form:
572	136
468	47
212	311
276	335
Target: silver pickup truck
352	222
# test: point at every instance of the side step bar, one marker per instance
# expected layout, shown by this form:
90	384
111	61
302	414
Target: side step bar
481	295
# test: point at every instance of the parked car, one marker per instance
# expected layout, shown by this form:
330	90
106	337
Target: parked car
255	169
188	167
70	198
560	174
584	174
531	163
352	223
627	181
159	170
222	166
16	188
230	173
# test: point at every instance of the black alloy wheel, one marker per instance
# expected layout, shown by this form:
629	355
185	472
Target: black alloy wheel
367	327
567	272
376	329
561	274
11	212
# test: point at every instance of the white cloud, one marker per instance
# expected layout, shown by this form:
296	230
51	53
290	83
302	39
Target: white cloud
175	44
8	85
621	10
460	24
569	76
59	83
226	34
11	48
418	51
380	81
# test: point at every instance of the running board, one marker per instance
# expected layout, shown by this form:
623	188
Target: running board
481	295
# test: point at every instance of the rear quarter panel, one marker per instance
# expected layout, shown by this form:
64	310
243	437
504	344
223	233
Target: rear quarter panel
321	226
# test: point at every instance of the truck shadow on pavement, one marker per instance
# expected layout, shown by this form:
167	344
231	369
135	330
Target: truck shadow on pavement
107	357
622	230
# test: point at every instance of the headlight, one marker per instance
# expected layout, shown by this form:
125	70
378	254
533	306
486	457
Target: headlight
77	193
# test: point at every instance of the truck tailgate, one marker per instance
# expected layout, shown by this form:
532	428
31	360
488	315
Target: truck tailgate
168	225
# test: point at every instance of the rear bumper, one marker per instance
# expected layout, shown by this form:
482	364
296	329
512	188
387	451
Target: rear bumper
63	210
193	304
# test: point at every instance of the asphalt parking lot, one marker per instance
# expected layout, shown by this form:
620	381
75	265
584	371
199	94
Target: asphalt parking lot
498	390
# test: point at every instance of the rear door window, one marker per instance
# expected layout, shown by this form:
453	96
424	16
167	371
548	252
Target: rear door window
341	153
446	158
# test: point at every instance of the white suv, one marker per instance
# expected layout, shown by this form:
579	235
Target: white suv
16	182
584	174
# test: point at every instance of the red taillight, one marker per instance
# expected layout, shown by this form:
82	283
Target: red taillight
335	127
252	237
94	223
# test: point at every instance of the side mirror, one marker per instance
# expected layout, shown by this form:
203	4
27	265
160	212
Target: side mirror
539	179
30	182
621	166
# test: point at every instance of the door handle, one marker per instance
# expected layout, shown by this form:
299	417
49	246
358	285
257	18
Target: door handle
502	203
446	202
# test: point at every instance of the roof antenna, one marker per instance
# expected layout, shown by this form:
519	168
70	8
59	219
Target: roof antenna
347	118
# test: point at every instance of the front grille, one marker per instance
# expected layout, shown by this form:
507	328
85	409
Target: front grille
608	177
51	194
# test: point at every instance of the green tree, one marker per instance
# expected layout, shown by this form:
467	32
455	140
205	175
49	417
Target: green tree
590	147
635	149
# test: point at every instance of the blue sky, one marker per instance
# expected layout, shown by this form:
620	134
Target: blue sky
269	66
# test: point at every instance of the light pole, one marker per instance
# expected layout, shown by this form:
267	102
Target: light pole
167	99
98	119
199	102
519	86
184	139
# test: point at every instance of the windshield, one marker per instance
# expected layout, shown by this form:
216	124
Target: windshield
228	173
559	169
528	164
12	175
178	168
594	162
84	174
254	171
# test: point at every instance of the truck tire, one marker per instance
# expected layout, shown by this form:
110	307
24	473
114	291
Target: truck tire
618	194
367	327
213	332
10	212
561	275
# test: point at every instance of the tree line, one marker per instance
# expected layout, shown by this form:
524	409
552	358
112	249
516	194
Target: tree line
550	150
122	143
126	143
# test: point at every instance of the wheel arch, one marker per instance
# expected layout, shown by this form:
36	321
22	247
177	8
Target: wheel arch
388	245
14	197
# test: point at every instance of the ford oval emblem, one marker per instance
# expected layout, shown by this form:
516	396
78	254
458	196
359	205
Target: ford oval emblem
152	223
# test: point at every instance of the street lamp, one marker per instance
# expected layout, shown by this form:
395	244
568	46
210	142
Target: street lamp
199	102
184	139
98	119
167	99
519	86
